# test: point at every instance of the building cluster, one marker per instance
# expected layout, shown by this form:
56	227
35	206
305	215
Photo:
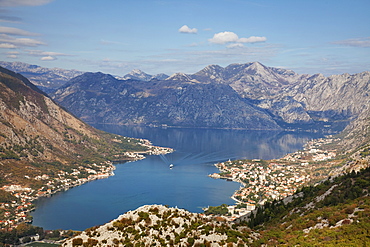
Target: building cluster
17	211
154	150
264	181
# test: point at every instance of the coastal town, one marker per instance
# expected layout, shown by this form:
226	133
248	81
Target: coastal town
17	210
267	180
261	180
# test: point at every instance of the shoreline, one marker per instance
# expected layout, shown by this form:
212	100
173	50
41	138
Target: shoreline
52	185
267	180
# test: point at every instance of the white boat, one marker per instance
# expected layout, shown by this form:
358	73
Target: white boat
171	165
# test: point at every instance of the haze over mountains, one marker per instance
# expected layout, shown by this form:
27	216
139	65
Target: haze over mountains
45	78
248	96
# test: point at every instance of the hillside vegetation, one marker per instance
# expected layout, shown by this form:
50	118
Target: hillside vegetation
334	213
38	137
44	149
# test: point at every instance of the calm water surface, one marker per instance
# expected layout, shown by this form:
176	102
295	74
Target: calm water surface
150	181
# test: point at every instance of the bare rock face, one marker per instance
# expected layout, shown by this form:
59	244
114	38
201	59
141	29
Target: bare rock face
248	96
338	96
176	101
157	225
357	134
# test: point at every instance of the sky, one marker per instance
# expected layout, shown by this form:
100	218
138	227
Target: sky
170	36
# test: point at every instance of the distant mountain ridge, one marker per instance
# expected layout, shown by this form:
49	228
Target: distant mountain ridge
284	98
168	102
291	100
44	78
137	74
52	78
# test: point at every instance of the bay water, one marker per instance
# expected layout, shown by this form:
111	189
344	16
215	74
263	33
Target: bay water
151	181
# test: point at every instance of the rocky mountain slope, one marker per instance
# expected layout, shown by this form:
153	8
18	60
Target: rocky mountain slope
337	97
162	226
40	141
250	96
100	98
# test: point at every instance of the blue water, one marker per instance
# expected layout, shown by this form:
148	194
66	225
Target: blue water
150	181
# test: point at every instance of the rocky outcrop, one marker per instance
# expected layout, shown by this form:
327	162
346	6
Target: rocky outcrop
157	225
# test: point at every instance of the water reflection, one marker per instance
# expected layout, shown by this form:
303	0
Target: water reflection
150	181
220	143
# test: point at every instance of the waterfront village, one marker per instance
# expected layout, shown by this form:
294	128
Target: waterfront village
261	180
17	211
268	180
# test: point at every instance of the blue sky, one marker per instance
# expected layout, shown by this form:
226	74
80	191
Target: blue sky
169	36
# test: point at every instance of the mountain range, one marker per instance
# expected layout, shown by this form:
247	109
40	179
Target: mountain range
40	143
49	79
247	96
44	78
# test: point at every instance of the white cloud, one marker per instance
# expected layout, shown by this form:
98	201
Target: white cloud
45	53
186	29
360	42
235	45
15	31
48	58
7	46
12	56
224	37
14	3
231	37
16	42
252	39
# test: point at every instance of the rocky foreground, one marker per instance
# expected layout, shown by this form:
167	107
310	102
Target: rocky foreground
157	225
333	213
